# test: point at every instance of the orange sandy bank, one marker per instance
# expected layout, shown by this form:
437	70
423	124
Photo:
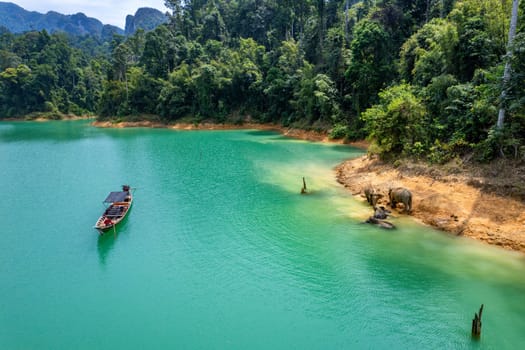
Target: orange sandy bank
309	135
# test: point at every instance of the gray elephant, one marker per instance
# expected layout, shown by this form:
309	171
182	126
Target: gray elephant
400	195
372	195
380	223
380	213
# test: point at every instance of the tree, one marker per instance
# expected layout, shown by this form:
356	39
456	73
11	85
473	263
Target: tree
207	86
316	99
213	27
247	76
430	52
476	49
176	96
397	124
144	92
15	85
113	100
282	79
507	73
159	52
371	64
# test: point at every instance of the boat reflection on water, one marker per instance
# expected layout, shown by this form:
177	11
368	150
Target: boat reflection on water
107	241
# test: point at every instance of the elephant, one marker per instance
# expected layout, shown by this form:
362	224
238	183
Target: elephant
380	213
372	196
380	223
400	195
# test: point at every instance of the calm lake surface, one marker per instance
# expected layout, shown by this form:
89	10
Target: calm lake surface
221	252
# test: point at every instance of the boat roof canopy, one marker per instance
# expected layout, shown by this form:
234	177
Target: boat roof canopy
116	197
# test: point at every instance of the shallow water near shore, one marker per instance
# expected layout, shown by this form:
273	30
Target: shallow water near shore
221	251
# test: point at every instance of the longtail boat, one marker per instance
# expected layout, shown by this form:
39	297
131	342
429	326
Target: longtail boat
117	206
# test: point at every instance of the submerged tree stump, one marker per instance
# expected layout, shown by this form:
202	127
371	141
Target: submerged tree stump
303	190
476	323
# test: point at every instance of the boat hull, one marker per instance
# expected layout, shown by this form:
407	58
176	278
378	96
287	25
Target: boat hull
114	214
105	224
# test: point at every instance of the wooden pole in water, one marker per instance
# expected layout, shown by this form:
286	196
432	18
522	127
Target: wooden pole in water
476	323
303	190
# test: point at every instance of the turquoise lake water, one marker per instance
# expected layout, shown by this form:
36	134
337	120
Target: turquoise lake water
221	252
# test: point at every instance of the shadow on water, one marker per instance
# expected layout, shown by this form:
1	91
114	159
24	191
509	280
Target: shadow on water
56	131
262	133
276	136
347	149
105	244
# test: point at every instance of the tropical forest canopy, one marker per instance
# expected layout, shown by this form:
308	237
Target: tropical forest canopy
420	78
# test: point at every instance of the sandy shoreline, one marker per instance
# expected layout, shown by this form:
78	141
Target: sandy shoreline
447	202
308	135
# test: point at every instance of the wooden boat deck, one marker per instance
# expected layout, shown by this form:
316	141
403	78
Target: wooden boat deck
116	211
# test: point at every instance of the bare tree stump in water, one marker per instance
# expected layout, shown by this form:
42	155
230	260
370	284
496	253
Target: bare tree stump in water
303	190
476	323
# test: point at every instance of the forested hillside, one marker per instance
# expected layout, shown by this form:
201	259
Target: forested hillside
421	78
18	20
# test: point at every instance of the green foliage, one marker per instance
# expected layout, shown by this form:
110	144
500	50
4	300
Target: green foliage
315	100
339	131
476	48
419	78
113	101
516	86
282	80
371	67
176	95
494	16
429	52
16	87
160	51
43	73
441	153
143	92
397	122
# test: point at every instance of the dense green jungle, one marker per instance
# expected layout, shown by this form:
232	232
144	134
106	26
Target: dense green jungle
428	79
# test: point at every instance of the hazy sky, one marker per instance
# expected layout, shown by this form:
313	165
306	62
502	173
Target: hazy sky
107	11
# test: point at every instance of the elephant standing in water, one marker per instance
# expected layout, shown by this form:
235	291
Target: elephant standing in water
400	195
372	195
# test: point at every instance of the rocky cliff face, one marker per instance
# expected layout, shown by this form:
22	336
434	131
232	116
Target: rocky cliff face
18	20
145	18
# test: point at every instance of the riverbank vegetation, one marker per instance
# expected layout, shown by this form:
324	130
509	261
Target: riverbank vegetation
420	79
